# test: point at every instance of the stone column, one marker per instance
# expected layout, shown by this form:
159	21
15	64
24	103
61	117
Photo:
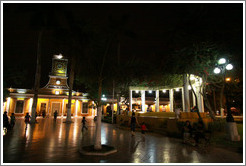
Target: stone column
183	100
63	107
130	102
143	100
186	94
200	103
30	106
171	99
157	101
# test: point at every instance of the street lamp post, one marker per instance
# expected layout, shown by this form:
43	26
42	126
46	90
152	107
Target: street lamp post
231	126
222	67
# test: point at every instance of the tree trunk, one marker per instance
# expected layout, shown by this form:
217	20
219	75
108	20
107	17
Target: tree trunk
214	99
207	103
97	145
71	80
113	105
221	100
37	78
198	113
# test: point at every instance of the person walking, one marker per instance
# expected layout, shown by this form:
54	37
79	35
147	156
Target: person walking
12	120
43	113
133	123
5	120
27	119
55	115
84	124
143	130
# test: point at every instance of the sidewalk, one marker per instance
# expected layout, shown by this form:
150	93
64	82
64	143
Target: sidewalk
57	142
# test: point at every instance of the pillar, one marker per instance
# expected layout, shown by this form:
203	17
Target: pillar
143	100
130	97
30	105
49	108
200	103
183	100
171	99
62	107
76	108
157	101
185	95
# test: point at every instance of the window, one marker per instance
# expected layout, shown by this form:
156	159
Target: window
19	106
85	108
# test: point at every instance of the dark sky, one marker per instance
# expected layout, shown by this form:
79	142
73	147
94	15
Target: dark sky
156	26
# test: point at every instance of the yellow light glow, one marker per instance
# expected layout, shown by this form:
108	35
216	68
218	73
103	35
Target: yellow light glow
57	92
20	98
228	79
85	100
177	89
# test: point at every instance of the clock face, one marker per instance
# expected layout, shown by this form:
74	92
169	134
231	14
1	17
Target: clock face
59	68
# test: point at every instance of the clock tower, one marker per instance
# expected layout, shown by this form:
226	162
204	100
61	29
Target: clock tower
58	75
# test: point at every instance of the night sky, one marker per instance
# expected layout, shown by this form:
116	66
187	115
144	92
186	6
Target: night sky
156	27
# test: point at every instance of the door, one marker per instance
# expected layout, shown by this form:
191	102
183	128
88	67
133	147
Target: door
55	107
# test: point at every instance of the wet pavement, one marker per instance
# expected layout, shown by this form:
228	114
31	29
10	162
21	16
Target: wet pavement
57	142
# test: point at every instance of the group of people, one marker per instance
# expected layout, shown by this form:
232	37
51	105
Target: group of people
134	122
191	133
6	124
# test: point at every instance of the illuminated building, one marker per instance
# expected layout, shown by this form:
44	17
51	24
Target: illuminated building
52	97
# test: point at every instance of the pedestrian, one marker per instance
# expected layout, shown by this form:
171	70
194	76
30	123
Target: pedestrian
199	132
43	113
12	120
187	132
177	112
36	114
143	130
55	115
27	119
84	124
133	123
5	120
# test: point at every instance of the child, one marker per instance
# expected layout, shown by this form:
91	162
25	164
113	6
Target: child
83	122
143	129
12	120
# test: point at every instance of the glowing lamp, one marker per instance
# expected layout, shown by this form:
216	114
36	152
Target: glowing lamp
59	56
164	91
229	67
57	92
228	79
136	91
222	61
150	91
177	89
217	70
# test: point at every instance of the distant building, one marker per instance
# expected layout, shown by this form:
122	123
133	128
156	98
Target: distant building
52	97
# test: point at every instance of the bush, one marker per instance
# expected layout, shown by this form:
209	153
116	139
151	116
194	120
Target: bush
218	125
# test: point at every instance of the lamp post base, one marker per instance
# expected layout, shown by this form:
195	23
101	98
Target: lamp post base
232	133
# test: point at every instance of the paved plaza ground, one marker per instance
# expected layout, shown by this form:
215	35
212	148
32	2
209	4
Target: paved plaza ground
57	142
